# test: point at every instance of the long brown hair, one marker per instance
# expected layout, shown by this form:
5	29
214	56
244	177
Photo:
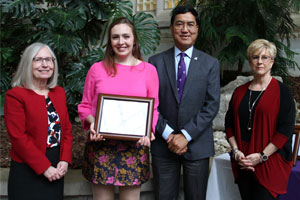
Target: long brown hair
108	58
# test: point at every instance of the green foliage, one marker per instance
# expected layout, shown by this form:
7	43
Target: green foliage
227	27
20	8
148	35
75	73
75	30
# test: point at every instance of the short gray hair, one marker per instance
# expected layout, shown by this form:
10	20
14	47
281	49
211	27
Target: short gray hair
24	76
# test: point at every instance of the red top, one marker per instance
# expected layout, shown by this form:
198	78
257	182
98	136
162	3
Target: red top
26	119
274	173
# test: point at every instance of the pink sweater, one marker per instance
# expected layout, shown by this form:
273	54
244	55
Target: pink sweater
140	80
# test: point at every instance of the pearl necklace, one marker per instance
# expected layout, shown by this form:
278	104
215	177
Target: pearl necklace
249	125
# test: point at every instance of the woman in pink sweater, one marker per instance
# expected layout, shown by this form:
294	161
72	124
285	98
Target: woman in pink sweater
110	163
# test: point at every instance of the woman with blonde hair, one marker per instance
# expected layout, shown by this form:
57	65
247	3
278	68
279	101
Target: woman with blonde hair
259	125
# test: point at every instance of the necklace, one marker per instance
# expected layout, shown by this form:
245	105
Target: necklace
249	125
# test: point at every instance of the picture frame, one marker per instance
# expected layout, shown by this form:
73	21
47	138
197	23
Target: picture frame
124	117
296	141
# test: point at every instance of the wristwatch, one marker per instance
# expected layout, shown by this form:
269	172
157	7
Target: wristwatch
264	157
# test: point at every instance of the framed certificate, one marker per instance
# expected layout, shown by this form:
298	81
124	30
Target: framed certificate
124	117
295	144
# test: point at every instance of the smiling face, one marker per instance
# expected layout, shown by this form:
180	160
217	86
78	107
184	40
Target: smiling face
261	62
184	30
122	40
42	66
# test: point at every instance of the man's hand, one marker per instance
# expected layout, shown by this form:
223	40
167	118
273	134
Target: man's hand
170	138
177	143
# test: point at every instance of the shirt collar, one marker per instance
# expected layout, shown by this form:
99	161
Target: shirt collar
188	52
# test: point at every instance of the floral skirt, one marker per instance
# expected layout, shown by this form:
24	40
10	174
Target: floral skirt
114	162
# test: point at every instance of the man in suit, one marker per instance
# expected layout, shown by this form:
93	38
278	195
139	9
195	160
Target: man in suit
189	95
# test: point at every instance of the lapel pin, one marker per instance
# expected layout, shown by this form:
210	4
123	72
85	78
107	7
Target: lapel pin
196	58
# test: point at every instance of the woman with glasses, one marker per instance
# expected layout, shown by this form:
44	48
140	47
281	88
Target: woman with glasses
39	129
259	125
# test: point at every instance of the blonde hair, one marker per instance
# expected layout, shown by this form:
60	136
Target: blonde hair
23	76
260	45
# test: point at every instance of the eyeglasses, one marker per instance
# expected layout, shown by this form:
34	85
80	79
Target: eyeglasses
180	25
48	60
264	59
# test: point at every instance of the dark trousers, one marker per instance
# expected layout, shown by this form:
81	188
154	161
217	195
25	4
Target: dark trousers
249	187
166	172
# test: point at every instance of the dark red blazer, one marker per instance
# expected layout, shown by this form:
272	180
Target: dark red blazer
26	119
